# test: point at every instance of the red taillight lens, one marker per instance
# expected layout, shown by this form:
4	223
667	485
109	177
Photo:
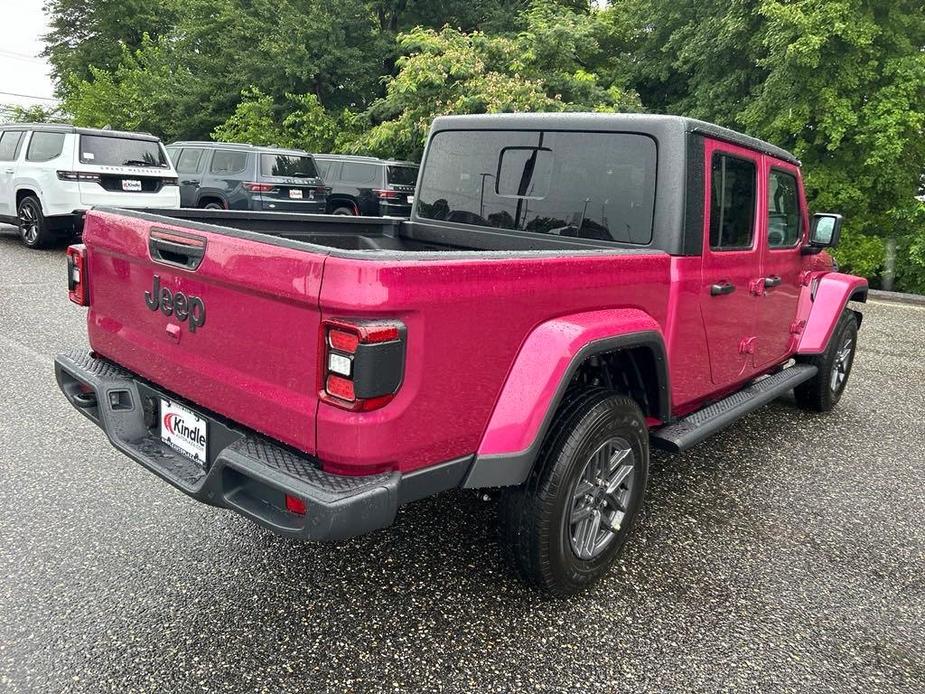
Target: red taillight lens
342	341
388	194
340	387
78	289
362	363
295	505
259	187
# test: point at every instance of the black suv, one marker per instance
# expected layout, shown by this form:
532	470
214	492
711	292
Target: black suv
368	186
219	175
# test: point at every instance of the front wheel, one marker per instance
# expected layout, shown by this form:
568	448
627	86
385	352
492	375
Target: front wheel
823	391
564	528
33	227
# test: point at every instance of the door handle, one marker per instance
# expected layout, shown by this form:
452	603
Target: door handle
772	281
722	288
8	171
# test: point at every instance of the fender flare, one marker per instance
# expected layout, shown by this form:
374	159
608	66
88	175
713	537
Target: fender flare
830	298
537	381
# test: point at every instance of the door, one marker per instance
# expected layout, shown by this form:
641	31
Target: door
10	145
784	224
731	260
189	166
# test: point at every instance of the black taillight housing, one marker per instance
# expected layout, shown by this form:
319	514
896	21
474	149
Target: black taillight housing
78	288
362	362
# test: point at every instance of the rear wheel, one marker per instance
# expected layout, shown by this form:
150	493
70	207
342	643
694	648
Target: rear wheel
33	227
564	528
343	210
211	205
823	391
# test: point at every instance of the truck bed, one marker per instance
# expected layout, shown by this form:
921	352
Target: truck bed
379	235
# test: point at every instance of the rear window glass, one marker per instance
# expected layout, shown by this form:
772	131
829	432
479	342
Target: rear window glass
586	185
402	175
290	165
45	146
121	151
226	161
9	144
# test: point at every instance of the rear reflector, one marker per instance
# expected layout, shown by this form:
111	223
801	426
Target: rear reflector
295	505
78	289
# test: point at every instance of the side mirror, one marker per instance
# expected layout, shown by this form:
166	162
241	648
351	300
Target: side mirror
826	231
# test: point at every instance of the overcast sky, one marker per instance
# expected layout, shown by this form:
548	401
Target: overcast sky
22	71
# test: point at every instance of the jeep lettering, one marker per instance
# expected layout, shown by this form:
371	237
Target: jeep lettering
178	304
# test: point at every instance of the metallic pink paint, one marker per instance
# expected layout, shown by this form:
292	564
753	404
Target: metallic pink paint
540	367
832	295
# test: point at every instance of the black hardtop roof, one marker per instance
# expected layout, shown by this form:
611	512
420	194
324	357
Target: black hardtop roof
371	160
239	145
650	124
65	128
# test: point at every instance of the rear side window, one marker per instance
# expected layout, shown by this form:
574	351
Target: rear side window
288	165
9	145
188	161
226	161
105	150
732	203
360	173
45	146
785	223
592	185
402	175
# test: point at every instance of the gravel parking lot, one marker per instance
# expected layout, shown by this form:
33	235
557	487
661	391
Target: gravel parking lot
785	554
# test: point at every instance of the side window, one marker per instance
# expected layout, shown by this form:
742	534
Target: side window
188	161
9	145
323	167
226	161
360	173
732	203
785	223
45	146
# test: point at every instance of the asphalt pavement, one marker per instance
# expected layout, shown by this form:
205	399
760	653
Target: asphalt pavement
785	554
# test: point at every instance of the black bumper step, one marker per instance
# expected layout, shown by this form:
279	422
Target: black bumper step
246	473
694	428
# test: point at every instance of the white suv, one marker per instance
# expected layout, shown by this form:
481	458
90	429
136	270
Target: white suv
51	174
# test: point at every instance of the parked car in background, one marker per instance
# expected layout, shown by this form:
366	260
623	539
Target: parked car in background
51	174
368	186
220	175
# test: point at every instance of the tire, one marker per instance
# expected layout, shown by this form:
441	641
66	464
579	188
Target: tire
548	549
823	391
343	210
33	227
212	205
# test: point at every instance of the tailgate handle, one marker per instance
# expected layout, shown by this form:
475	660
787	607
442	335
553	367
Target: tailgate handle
177	248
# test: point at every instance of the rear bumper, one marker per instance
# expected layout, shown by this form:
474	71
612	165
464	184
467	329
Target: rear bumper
247	473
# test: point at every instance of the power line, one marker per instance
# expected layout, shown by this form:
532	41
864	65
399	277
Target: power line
29	96
20	56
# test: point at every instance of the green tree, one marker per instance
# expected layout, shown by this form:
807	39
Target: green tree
839	82
559	60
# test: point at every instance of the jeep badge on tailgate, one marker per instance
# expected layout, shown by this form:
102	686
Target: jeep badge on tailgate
183	307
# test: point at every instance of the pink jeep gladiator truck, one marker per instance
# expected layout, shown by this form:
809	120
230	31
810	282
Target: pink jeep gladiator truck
569	289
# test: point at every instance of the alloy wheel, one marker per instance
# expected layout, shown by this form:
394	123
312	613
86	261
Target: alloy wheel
600	498
841	365
28	224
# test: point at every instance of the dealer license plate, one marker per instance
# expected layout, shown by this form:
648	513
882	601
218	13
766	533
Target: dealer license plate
295	194
131	185
184	430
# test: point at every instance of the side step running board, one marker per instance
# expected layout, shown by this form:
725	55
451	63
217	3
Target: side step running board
694	428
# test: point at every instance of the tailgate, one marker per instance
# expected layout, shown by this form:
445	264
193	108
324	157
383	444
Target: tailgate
229	321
